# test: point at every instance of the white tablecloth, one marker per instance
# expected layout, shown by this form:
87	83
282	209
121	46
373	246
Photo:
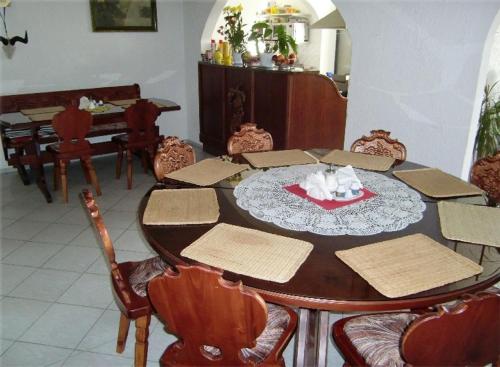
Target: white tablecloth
394	207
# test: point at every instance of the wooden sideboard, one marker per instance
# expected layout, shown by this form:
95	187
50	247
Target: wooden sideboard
300	109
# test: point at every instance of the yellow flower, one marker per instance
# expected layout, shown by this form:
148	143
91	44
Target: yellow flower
238	8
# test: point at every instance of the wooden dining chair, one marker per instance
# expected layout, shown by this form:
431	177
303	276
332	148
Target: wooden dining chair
219	323
485	174
379	143
249	139
71	127
172	154
142	136
465	334
129	281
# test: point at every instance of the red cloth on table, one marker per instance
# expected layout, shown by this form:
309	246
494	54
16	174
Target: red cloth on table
327	204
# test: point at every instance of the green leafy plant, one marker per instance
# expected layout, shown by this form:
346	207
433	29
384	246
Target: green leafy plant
488	133
284	42
260	32
232	30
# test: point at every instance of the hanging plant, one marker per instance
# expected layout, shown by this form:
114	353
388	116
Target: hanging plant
488	133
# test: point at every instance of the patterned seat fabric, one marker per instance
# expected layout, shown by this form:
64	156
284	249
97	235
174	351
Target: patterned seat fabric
277	322
377	337
144	272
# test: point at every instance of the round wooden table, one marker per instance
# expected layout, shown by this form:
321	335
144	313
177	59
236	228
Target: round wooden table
323	282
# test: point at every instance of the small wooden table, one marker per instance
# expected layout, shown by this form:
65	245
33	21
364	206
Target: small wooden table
323	283
104	123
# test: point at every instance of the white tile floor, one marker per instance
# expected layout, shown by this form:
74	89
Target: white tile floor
56	306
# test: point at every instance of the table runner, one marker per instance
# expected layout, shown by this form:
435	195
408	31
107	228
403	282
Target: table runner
408	265
37	111
181	206
394	207
207	172
470	223
437	184
278	158
250	252
125	103
359	160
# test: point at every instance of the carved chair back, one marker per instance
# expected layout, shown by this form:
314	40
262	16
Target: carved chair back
467	334
249	139
207	311
107	245
71	126
379	143
485	174
172	154
141	118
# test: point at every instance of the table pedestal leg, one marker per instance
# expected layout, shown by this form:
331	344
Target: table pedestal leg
311	339
37	169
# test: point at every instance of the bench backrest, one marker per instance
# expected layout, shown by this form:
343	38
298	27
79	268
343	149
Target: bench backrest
16	102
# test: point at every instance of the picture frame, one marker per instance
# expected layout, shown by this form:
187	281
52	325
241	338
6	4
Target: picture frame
123	15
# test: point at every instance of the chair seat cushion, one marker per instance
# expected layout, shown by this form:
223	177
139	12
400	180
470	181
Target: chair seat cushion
377	337
277	322
144	272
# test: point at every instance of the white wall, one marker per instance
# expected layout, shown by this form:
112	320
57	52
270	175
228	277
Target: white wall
494	63
64	53
414	72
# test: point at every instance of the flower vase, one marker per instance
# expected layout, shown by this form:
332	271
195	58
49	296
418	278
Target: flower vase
237	59
266	59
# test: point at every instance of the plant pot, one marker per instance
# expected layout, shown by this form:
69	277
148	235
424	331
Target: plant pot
237	59
266	59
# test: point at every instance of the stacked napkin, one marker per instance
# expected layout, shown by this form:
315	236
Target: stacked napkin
330	185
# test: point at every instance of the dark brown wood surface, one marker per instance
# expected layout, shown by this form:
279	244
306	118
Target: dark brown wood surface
323	281
300	109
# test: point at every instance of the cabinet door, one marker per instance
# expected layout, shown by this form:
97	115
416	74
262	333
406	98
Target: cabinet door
270	107
239	95
212	111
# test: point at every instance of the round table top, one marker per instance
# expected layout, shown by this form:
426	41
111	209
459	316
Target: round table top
323	281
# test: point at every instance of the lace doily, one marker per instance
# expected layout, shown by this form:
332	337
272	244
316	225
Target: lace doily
393	208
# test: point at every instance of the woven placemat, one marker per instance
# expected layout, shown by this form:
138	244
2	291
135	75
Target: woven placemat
437	184
124	102
470	223
42	116
36	111
207	172
181	206
277	158
358	160
250	252
408	265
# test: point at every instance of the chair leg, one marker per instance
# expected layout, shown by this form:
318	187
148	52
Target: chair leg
85	172
92	174
129	169
119	159
141	340
64	178
122	333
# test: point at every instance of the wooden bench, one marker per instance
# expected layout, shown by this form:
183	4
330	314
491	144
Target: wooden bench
21	140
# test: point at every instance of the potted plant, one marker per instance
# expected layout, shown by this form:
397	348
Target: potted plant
233	31
261	31
488	133
284	43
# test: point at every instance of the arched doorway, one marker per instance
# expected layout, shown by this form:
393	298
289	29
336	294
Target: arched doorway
489	73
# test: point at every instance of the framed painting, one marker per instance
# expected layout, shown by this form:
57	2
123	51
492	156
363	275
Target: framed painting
123	15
